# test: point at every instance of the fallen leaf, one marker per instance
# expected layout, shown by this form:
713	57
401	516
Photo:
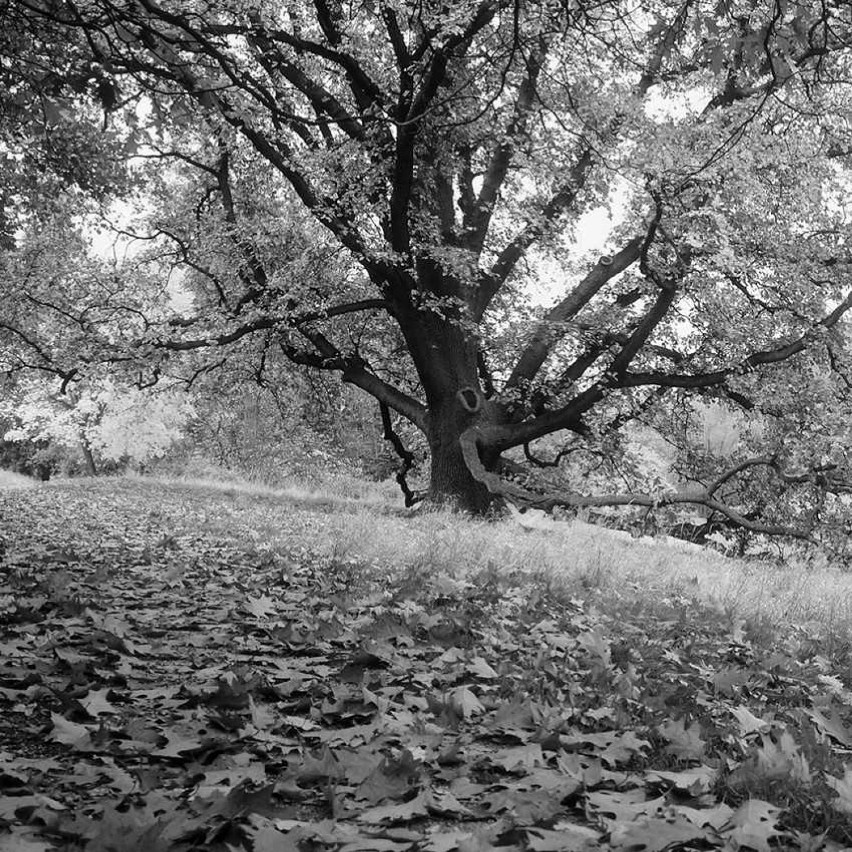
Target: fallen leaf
684	741
563	838
655	834
465	703
404	812
71	734
748	722
753	825
843	788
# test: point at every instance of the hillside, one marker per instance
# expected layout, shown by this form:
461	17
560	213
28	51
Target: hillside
189	666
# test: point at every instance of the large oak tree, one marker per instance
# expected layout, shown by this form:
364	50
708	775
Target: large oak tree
387	189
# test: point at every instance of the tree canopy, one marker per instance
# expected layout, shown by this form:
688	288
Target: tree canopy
391	191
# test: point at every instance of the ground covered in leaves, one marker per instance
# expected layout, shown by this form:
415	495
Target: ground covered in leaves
166	684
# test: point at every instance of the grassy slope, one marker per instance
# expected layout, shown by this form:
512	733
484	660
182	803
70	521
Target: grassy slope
590	561
613	638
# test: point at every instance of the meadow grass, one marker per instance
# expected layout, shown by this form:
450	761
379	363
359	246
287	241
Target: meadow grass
15	480
336	488
364	523
351	519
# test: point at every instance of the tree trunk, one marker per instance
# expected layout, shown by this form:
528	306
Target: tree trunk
451	482
445	356
88	457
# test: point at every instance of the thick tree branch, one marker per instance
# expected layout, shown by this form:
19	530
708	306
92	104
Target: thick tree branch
412	108
548	332
342	309
276	152
646	326
365	90
472	440
569	416
566	195
756	359
412	410
323	102
479	213
726	476
492	280
403	58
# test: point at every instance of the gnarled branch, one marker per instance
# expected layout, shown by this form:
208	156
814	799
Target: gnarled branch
471	439
405	455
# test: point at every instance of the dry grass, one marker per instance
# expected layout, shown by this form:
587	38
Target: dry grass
362	522
15	480
335	488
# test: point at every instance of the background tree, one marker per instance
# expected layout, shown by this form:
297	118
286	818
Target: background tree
441	156
107	424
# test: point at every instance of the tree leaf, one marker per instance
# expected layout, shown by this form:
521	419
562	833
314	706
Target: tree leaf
71	734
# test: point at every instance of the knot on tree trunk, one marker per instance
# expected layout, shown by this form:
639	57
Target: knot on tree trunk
470	399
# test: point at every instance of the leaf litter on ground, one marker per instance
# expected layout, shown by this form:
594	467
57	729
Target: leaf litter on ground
168	684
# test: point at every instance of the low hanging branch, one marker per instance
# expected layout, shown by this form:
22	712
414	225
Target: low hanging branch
700	496
404	453
554	462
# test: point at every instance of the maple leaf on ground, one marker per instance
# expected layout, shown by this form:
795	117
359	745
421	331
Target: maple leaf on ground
319	767
519	758
832	726
23	839
392	779
444	803
404	812
526	807
480	668
482	839
563	838
465	702
517	717
269	839
715	817
753	825
69	733
748	722
684	741
614	807
12	807
776	757
178	744
614	746
596	645
260	607
376	844
242	800
696	781
358	764
96	703
656	833
843	788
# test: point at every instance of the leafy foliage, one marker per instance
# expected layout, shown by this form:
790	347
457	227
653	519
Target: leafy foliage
382	192
112	423
169	684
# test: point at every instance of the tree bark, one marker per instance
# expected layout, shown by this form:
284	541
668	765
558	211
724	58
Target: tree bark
88	457
451	482
445	357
